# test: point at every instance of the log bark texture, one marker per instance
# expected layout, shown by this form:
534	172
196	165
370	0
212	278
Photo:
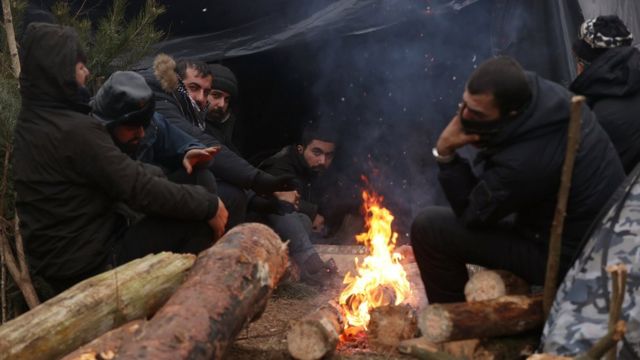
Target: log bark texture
508	315
491	284
507	348
85	311
391	324
317	335
423	349
108	345
228	287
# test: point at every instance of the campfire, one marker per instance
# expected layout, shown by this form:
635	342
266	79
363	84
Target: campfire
380	279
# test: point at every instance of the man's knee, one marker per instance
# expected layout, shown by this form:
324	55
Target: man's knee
428	224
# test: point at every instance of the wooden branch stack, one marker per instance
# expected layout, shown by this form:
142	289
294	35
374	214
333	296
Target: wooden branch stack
210	299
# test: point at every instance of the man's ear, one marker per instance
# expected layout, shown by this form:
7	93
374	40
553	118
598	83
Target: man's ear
300	149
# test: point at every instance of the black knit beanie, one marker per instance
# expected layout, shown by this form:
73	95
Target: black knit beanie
600	34
224	79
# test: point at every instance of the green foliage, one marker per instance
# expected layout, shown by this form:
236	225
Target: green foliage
118	43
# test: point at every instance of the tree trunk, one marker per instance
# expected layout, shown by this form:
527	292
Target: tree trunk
85	311
389	325
108	345
316	335
11	37
228	287
508	315
491	284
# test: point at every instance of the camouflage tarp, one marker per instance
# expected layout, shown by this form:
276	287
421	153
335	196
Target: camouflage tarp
581	310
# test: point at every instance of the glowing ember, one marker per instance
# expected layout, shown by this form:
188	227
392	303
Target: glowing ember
380	278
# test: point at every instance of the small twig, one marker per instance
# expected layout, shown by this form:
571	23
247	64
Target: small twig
618	288
24	278
247	337
555	239
3	287
605	344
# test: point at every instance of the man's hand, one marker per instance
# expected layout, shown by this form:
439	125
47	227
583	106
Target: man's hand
318	223
194	157
219	221
453	137
291	197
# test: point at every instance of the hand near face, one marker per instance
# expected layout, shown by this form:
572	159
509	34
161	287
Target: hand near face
195	157
453	137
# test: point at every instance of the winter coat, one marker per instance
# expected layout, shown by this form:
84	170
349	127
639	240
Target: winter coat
179	111
520	172
288	161
223	131
612	87
69	175
164	145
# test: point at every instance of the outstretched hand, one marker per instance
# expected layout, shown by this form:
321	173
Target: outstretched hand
453	137
195	157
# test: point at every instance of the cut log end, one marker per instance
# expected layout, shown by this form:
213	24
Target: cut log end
491	284
316	335
389	325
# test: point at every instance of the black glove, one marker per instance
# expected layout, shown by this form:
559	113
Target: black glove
270	205
265	183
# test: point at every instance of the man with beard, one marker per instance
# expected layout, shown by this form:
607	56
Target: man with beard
609	77
220	116
69	176
181	90
519	123
305	161
146	135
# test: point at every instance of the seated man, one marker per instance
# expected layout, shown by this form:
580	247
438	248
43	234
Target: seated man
69	176
519	123
221	118
306	161
609	77
147	136
181	90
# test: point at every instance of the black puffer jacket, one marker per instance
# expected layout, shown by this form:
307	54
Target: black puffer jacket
612	87
69	175
163	80
520	172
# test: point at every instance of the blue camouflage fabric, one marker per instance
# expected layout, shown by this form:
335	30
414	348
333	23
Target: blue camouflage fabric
580	314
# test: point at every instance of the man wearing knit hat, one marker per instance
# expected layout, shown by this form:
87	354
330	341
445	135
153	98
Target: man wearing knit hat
220	118
609	76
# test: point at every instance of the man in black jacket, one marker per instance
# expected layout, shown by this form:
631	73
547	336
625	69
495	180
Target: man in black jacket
221	118
69	176
305	161
181	91
609	76
519	123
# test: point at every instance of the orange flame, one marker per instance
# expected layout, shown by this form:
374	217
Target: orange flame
380	279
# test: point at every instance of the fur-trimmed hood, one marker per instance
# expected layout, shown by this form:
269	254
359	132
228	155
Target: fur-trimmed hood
164	70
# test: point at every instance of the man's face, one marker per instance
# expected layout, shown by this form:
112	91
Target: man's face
479	107
82	73
128	137
218	104
318	154
198	87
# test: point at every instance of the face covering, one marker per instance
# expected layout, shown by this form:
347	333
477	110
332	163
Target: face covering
487	130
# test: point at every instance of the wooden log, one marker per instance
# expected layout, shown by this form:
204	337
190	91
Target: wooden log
423	349
491	284
507	348
85	311
317	335
508	315
228	287
548	357
389	325
463	349
107	345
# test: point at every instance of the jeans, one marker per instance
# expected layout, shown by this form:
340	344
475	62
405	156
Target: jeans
296	228
442	246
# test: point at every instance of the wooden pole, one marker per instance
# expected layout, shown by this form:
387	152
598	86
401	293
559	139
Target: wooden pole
316	336
227	288
94	306
555	240
11	37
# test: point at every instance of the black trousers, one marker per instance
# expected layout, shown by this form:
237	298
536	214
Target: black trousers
442	246
235	200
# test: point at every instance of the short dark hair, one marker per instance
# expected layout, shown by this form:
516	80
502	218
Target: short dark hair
504	78
201	68
314	132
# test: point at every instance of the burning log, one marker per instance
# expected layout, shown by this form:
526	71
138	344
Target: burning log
316	335
391	324
508	315
107	345
491	284
132	291
228	287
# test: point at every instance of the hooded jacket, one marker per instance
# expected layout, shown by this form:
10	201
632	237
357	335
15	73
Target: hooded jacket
180	112
611	85
69	175
520	172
